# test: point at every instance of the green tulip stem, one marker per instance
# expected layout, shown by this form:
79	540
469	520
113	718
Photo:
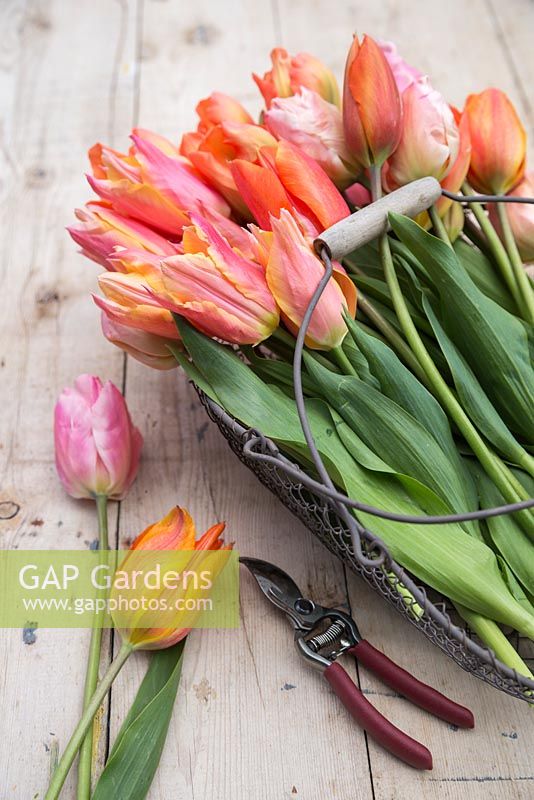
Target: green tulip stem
93	664
492	464
521	277
437	223
86	719
500	256
342	361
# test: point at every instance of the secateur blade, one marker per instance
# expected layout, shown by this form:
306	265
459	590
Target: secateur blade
283	593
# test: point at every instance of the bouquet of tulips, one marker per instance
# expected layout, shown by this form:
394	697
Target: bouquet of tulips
418	374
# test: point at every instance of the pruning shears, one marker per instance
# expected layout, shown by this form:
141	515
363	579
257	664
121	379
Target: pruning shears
322	635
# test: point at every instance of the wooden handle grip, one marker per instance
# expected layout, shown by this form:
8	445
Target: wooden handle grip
365	225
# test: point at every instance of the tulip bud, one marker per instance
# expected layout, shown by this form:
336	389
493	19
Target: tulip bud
372	111
316	127
498	142
101	229
290	73
97	446
151	350
521	218
176	531
293	272
429	141
219	108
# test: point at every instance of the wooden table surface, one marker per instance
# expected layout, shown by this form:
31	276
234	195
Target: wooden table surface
252	722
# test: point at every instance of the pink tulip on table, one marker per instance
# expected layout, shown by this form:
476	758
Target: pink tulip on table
101	229
290	73
97	446
316	127
153	183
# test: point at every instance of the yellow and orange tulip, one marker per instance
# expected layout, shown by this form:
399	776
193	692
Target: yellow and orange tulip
372	110
498	142
289	73
176	531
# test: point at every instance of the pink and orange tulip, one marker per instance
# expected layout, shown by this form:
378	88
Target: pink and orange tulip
293	272
429	140
316	127
96	445
521	217
153	183
372	110
219	108
286	178
498	142
101	229
176	531
216	288
213	152
290	73
151	350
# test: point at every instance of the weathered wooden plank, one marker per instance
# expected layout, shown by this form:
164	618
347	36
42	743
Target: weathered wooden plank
65	73
245	698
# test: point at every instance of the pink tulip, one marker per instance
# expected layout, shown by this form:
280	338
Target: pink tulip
403	72
429	140
151	350
358	194
316	127
215	287
153	183
293	272
521	217
101	229
97	446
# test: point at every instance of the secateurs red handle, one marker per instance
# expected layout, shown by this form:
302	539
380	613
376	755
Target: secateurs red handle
410	687
377	726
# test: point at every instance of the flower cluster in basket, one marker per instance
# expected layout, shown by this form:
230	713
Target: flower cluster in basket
421	402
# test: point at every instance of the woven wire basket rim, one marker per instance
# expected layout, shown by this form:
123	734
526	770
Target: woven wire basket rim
320	518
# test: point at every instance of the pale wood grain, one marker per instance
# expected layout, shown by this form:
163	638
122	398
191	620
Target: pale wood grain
252	721
62	78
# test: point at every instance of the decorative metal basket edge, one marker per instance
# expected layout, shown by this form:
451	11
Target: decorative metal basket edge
320	518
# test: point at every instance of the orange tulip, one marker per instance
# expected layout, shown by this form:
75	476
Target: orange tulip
219	290
293	272
290	73
176	531
219	108
316	127
153	183
151	350
287	178
498	142
101	229
455	178
212	153
372	111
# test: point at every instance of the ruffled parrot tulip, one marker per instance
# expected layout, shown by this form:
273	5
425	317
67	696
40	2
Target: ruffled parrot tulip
293	272
521	217
151	350
217	289
288	178
429	141
372	110
153	183
498	142
316	127
290	73
97	447
176	531
101	229
403	72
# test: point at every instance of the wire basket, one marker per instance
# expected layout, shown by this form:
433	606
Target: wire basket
319	516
